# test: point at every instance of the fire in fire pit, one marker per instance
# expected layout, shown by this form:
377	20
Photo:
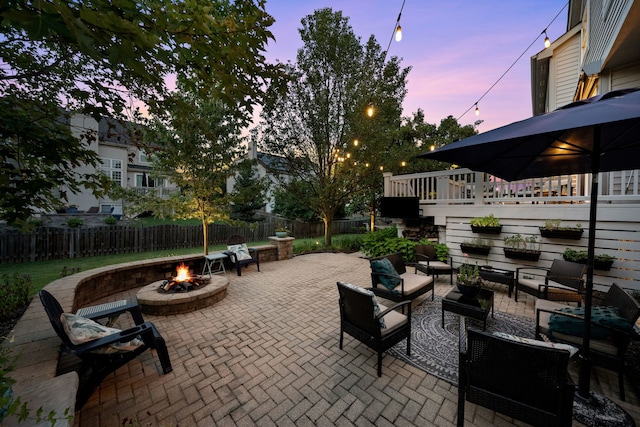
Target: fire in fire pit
183	282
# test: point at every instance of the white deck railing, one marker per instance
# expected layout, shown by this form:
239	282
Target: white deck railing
464	186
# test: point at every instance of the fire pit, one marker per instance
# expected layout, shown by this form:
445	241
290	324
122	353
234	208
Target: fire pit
183	282
181	294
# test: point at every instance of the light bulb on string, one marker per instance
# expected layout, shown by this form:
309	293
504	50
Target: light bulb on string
477	110
547	42
399	33
355	142
370	110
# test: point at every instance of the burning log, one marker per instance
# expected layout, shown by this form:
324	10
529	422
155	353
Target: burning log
183	281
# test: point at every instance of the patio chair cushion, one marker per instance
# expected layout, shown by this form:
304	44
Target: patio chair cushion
376	306
81	330
571	349
389	277
602	315
241	250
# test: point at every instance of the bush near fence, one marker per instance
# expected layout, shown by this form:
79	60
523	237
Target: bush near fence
47	243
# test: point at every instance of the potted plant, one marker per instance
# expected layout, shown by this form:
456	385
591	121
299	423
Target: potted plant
487	224
281	231
468	279
519	247
600	261
552	229
476	246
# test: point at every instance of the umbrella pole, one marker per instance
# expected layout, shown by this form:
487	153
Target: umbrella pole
584	378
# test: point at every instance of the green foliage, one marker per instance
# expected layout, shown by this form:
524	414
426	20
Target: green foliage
469	275
522	243
479	242
343	243
110	220
249	192
14	289
75	222
385	242
582	256
442	251
314	122
67	271
554	224
485	221
36	223
69	56
294	200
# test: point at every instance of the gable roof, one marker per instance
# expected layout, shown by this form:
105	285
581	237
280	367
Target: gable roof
273	163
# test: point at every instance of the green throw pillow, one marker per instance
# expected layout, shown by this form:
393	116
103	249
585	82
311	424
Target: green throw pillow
383	266
600	315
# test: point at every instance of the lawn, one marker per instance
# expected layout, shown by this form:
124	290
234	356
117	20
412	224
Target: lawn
44	272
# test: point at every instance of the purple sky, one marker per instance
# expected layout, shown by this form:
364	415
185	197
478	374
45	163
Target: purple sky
457	49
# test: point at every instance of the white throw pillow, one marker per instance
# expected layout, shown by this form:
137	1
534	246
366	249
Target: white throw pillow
81	330
241	251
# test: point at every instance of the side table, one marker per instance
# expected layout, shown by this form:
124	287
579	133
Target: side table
214	263
506	277
477	307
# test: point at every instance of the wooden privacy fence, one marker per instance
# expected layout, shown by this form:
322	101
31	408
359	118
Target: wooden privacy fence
47	243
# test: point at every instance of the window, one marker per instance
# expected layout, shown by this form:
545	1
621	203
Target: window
144	180
113	169
144	157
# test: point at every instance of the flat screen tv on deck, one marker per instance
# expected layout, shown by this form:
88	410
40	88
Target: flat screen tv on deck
399	207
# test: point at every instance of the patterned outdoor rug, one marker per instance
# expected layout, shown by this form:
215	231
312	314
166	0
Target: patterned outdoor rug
435	350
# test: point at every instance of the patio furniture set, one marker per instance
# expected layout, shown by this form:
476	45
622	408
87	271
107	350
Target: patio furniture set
495	369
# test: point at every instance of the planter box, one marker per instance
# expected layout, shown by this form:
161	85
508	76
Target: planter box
569	234
478	250
519	254
486	230
597	265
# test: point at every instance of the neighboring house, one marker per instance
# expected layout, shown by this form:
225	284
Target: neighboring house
268	165
600	52
123	162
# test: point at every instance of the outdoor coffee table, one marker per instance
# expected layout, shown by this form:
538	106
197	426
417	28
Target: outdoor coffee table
506	277
477	307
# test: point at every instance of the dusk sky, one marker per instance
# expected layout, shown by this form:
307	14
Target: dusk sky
457	49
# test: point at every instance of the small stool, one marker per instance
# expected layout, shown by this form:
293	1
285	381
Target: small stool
214	263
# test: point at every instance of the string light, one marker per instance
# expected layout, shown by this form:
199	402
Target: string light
514	63
355	142
547	42
477	110
397	34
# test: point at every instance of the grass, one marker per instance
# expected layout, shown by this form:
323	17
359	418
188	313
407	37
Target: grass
45	272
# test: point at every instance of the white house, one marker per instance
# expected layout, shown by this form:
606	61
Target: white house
124	163
268	165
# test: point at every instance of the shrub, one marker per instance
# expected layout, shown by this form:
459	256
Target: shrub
15	294
75	222
485	221
111	220
35	222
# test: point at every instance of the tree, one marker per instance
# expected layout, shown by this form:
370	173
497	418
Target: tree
249	192
294	200
314	122
194	143
98	58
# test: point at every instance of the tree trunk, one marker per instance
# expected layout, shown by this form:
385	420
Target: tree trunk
372	220
327	231
205	234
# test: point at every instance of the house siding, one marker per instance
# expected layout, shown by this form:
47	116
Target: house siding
626	77
566	71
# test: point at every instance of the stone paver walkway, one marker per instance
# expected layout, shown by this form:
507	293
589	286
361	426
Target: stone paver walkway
268	355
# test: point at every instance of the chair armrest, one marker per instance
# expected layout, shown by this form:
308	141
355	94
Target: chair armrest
547	285
131	306
538	271
395	306
232	256
123	336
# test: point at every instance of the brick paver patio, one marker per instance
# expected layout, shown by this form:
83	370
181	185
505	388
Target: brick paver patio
268	355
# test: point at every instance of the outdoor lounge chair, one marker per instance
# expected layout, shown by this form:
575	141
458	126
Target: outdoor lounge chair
528	382
611	333
391	280
373	324
426	255
240	255
563	281
99	357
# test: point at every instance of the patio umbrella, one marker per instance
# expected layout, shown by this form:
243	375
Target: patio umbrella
598	134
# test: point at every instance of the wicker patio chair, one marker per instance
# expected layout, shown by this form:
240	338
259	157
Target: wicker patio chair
609	341
378	329
426	256
98	357
240	255
527	382
395	283
563	281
